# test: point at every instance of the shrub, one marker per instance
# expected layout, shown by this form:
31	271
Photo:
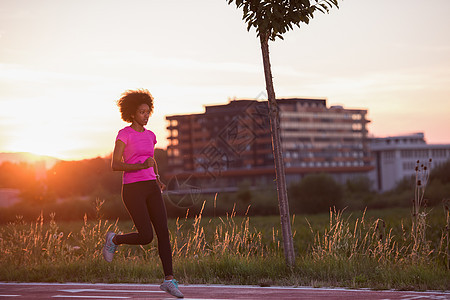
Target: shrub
358	193
315	193
441	172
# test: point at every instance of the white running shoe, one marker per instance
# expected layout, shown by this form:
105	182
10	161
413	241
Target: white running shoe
171	287
110	248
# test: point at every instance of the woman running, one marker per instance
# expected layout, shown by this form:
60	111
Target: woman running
141	189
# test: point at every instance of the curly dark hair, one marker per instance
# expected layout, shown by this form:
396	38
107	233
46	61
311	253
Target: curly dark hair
131	100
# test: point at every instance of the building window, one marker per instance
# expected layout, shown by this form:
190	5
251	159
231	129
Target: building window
439	153
409	166
388	154
357	126
406	154
421	153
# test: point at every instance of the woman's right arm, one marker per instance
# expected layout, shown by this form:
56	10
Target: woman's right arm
118	165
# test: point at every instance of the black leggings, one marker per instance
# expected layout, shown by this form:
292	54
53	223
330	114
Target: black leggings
145	205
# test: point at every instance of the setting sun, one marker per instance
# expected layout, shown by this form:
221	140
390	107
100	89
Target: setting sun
41	130
32	141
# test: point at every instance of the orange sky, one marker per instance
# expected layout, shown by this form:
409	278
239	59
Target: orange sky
64	63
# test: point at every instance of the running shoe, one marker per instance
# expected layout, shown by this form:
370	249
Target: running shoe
110	248
171	287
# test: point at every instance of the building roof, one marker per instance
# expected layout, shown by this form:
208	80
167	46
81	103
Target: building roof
240	104
403	142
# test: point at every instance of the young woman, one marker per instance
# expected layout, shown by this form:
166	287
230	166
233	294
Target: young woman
141	189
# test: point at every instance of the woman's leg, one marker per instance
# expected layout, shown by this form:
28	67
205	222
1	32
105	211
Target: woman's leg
134	197
158	215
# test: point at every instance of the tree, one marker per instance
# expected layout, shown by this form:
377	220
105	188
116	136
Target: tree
271	19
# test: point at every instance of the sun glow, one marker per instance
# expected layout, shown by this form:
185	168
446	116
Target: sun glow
38	141
59	81
66	126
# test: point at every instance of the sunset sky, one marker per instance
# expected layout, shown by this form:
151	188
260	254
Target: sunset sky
63	64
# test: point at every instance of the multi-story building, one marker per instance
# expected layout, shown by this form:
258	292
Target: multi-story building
395	157
231	143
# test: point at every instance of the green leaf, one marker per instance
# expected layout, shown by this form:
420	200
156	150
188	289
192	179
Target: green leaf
276	17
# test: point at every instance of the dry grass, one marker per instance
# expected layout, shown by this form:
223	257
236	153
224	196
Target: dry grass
228	238
363	239
360	253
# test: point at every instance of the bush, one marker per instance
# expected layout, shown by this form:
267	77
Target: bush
358	193
437	189
315	193
441	172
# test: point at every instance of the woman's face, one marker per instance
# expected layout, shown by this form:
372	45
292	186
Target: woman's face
142	114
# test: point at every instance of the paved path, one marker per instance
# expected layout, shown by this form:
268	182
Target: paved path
152	291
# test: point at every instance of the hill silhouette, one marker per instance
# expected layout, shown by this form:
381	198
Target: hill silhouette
26	157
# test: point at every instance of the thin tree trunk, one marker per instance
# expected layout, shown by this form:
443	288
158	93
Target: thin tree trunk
278	155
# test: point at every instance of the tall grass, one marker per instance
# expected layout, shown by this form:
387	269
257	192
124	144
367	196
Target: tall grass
366	239
372	240
342	240
420	245
38	242
445	245
228	238
361	252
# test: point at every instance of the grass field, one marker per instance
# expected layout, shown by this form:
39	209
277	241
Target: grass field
373	249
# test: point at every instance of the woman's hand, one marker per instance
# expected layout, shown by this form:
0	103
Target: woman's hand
149	163
161	185
117	163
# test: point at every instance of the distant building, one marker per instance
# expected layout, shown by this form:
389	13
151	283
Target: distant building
395	157
230	144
